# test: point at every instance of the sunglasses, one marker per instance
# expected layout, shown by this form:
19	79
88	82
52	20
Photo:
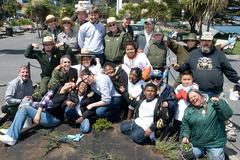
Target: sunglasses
155	78
111	25
52	21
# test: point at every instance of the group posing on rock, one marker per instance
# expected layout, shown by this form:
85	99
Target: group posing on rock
92	71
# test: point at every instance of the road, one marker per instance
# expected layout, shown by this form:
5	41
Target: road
11	57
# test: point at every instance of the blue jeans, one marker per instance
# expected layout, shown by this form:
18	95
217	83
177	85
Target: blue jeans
72	116
111	110
213	153
130	128
47	120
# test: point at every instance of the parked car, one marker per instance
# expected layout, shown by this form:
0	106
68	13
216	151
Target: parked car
137	28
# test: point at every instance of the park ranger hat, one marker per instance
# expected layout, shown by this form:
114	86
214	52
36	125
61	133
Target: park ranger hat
50	17
191	36
85	52
81	9
111	20
207	36
67	19
47	39
157	30
149	21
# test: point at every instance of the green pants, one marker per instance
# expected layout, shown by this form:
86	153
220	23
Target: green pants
44	85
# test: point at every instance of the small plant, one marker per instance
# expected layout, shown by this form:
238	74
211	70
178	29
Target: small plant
168	147
55	139
102	124
185	147
104	155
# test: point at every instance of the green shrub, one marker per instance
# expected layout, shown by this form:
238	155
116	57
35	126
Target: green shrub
102	124
19	22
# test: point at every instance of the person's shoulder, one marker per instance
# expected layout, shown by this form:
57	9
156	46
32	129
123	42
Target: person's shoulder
15	81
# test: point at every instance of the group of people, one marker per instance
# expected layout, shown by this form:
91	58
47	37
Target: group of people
89	71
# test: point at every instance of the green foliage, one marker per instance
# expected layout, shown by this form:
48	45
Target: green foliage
5	125
66	11
19	22
168	147
10	7
185	147
55	139
235	50
102	124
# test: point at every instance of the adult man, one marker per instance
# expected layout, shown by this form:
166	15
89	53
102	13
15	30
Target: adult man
125	26
91	35
48	58
81	16
17	90
52	28
63	73
143	38
157	51
208	65
110	103
181	51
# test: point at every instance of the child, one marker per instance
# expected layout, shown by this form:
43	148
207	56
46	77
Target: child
135	87
181	92
150	116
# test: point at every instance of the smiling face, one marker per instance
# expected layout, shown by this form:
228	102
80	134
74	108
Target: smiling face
109	70
86	61
82	88
133	77
52	23
65	64
89	79
94	17
81	16
130	51
24	73
196	99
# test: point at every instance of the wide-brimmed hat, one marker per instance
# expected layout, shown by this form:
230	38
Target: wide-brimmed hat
67	19
191	36
81	9
207	36
49	17
85	52
157	30
47	39
111	19
149	21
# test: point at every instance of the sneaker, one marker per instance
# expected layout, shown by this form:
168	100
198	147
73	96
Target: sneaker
7	140
3	131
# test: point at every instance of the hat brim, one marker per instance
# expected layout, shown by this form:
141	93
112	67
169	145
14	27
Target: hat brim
71	22
46	21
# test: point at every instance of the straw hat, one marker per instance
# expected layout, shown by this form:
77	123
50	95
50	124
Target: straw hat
67	19
49	17
111	19
81	9
47	39
157	30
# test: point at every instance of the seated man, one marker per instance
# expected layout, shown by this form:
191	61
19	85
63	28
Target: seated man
110	103
47	113
48	58
63	73
18	90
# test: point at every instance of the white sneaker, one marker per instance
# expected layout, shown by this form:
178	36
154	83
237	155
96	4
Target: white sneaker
7	140
3	131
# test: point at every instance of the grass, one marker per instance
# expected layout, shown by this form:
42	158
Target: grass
235	50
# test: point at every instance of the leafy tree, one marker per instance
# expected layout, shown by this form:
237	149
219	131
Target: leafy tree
10	7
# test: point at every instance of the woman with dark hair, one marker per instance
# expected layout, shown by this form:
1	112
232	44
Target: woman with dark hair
133	59
76	107
203	124
118	76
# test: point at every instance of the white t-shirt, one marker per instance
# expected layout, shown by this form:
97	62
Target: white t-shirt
146	113
135	90
78	106
141	61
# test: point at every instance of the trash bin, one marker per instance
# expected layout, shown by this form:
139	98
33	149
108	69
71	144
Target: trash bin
179	37
9	31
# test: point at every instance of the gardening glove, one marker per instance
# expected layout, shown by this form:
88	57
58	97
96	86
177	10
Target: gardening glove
231	39
76	137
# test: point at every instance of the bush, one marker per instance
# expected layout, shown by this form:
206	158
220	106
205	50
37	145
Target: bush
102	124
20	22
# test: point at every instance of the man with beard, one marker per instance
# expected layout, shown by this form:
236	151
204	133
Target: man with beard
125	26
208	64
